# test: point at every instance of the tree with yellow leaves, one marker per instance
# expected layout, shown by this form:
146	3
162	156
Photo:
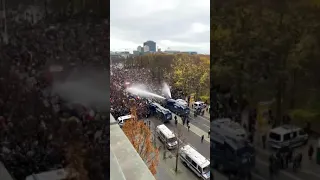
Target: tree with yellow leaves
192	74
140	136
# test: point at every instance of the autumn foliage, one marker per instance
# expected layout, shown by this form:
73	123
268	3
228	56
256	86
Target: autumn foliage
140	136
75	159
190	73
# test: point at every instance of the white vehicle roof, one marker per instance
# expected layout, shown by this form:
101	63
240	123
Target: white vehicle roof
195	156
181	101
198	102
125	117
284	129
166	131
228	128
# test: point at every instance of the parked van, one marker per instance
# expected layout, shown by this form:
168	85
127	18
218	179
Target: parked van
287	136
167	136
195	161
122	119
198	105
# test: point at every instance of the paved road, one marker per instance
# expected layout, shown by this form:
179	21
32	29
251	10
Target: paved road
200	121
187	137
166	167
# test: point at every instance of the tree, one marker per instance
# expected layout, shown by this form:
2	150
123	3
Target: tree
179	135
189	73
75	159
264	51
140	136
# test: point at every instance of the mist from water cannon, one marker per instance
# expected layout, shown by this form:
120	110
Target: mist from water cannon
166	90
137	90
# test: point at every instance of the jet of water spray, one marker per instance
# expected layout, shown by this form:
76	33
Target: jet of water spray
142	92
166	89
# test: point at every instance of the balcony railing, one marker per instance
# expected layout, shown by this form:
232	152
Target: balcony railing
125	161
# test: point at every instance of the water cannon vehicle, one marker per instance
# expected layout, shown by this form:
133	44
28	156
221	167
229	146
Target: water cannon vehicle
177	107
159	111
230	151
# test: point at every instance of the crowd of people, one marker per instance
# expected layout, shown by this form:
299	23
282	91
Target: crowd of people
122	78
36	126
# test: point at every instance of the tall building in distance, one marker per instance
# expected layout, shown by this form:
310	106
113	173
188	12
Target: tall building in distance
139	49
146	48
152	46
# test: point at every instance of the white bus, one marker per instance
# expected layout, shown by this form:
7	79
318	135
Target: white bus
167	136
195	161
122	119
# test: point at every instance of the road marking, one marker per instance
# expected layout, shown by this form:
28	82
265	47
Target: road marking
281	171
195	129
206	126
207	118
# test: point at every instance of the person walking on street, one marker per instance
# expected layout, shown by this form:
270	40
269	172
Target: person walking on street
175	120
202	137
188	122
310	152
188	128
209	133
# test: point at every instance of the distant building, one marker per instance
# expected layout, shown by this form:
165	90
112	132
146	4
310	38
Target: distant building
136	52
190	52
152	45
140	49
171	52
146	48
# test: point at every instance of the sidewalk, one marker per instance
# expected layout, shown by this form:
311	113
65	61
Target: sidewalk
193	128
206	113
166	169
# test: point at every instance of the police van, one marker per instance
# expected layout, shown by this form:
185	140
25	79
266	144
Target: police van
229	128
287	136
195	161
122	119
166	136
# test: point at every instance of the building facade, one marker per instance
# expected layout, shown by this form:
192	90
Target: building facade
146	48
152	46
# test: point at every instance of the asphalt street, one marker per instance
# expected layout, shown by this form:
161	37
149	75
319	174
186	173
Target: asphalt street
166	167
201	122
187	137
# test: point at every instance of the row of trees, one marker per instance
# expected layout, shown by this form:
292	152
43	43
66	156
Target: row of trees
143	139
264	50
187	73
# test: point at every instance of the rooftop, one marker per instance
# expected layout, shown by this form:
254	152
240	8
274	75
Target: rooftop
196	156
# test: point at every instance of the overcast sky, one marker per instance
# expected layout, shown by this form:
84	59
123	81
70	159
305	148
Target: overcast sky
176	24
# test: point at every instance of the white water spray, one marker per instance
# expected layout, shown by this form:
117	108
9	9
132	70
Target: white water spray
166	89
143	93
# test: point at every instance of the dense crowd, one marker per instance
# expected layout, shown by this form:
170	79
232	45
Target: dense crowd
122	78
37	126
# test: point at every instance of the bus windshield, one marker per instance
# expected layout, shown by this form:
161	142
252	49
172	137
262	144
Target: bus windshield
206	169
